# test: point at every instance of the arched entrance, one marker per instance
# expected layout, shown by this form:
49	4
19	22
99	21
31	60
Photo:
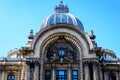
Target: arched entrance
61	58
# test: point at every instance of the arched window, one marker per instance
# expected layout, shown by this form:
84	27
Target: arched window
112	77
11	76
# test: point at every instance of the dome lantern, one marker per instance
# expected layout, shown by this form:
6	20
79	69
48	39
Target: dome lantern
61	8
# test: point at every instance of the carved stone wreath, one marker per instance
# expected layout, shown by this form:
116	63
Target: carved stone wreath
61	51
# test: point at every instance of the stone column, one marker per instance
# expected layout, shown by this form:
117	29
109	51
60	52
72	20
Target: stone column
53	73
86	71
119	74
18	75
3	74
28	71
101	75
42	70
95	72
69	72
80	73
36	71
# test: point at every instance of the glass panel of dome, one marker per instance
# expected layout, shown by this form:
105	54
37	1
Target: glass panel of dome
79	24
51	20
58	18
70	20
64	18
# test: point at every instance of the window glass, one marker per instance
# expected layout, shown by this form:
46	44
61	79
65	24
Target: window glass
51	20
70	21
58	18
75	75
61	75
112	77
47	75
11	77
64	18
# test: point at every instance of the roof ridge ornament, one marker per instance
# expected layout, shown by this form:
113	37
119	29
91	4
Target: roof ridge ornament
61	8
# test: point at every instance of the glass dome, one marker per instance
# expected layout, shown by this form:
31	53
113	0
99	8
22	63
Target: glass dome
62	16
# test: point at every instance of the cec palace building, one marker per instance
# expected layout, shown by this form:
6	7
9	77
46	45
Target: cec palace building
60	50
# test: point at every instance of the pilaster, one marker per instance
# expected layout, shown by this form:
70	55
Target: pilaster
101	73
81	68
18	75
36	71
28	71
95	71
86	71
53	72
119	74
3	73
69	72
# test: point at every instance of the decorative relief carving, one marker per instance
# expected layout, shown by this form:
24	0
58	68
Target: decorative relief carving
61	50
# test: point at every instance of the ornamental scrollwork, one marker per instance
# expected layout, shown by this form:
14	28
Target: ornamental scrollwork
61	50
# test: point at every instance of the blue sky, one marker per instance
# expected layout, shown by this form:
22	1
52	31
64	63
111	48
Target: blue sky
18	17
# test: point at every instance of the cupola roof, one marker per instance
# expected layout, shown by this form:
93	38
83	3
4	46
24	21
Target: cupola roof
61	15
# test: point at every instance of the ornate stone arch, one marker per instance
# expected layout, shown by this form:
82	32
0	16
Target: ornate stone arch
53	38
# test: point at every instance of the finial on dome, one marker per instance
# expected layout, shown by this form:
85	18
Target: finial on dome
61	1
61	8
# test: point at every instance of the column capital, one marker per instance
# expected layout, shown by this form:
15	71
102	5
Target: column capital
69	66
28	63
35	61
90	60
53	66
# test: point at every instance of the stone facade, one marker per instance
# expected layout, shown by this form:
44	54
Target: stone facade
61	50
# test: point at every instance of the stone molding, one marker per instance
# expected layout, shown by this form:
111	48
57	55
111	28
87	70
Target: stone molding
55	37
91	60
